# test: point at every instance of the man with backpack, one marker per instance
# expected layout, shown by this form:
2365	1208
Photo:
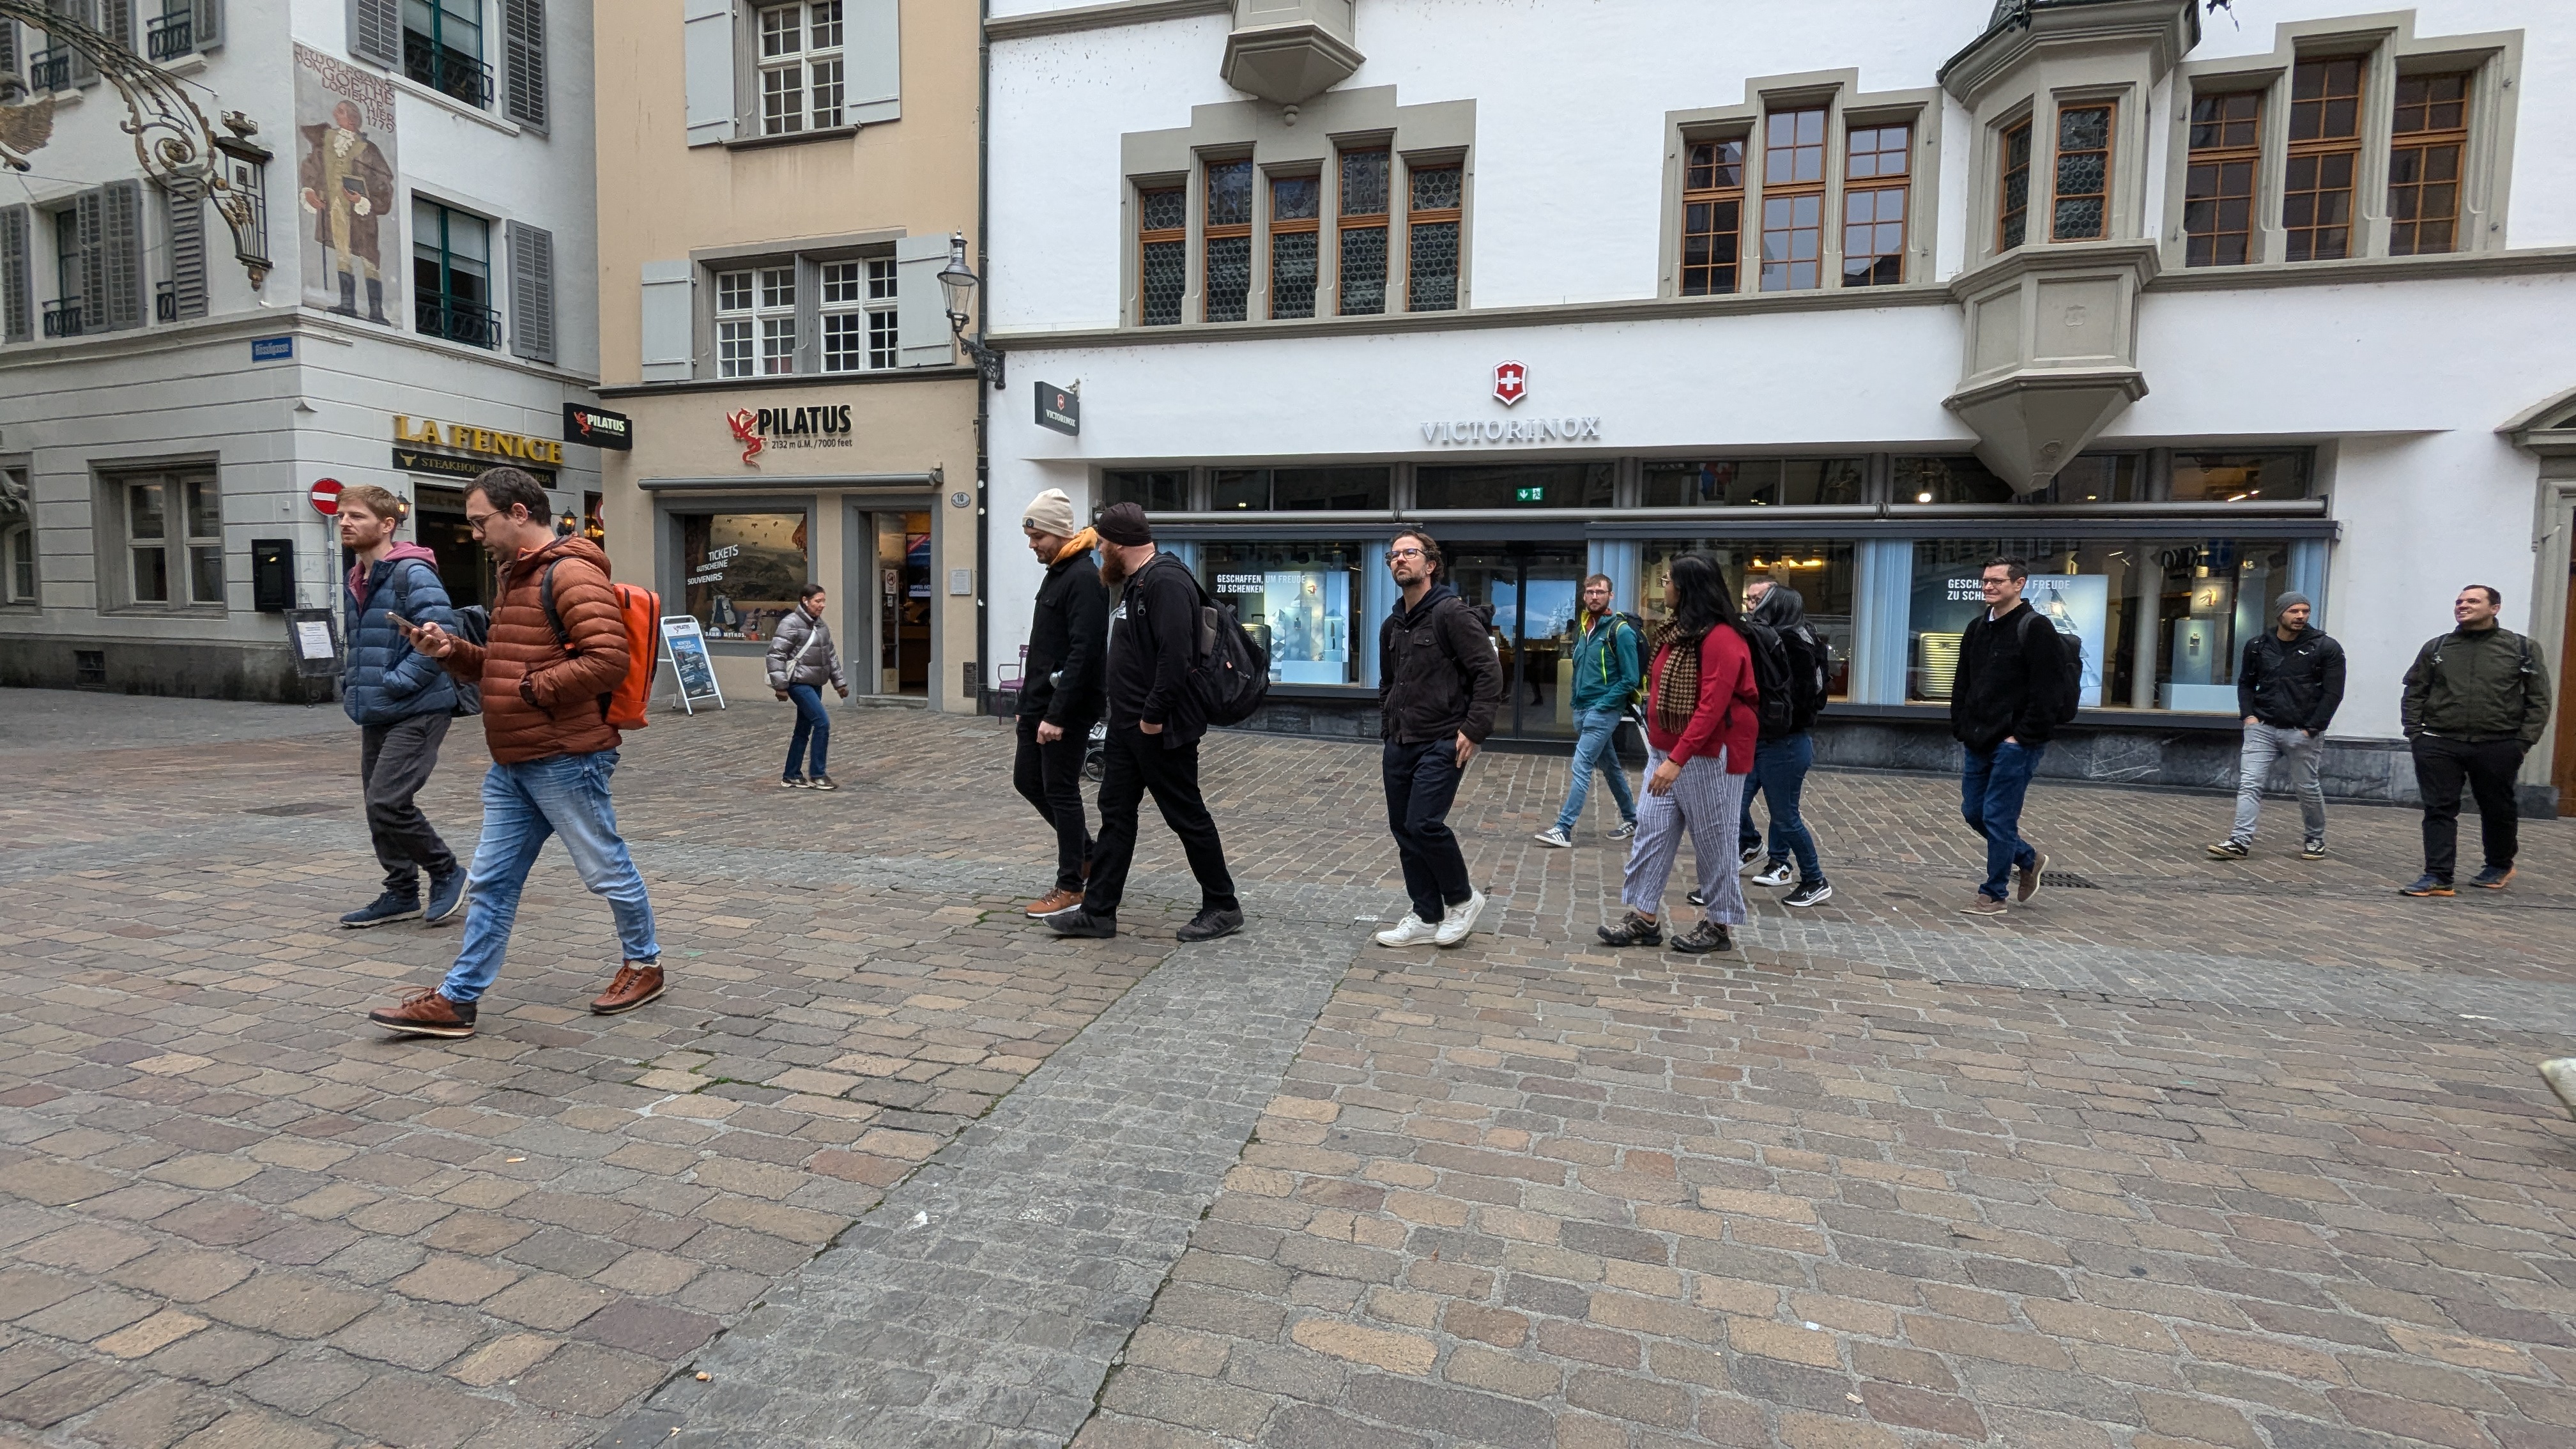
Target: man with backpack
1606	678
2013	689
1438	686
1156	719
561	644
1789	669
401	701
2476	702
2288	685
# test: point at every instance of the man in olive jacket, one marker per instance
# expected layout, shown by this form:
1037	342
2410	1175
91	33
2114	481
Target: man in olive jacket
2476	702
1438	686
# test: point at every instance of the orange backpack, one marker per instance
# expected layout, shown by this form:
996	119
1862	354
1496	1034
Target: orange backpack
640	610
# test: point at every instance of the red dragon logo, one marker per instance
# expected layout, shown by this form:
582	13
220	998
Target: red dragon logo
746	431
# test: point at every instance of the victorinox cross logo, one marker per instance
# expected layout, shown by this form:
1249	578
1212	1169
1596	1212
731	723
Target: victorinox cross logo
1511	383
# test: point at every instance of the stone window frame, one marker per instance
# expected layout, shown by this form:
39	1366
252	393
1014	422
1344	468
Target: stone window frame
1846	106
109	480
2390	48
807	257
2126	185
1282	143
18	474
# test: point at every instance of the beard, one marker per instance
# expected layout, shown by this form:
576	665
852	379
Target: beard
1113	569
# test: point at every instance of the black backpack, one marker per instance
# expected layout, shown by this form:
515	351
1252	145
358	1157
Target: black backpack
2070	671
1778	706
1232	675
1807	660
474	626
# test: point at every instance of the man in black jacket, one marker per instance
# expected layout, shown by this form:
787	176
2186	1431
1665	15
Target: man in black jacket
1060	687
1154	730
2004	705
1438	685
2287	687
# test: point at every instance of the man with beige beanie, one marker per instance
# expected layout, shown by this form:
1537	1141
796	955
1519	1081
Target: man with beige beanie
1060	692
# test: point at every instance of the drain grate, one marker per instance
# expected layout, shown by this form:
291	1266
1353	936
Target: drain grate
308	807
2066	880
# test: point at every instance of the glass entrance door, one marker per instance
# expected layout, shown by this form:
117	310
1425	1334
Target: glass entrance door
1534	589
903	602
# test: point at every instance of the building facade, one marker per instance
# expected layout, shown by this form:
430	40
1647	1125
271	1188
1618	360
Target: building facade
782	183
2188	311
425	173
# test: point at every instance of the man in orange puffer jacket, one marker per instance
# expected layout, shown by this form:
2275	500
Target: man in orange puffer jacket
546	677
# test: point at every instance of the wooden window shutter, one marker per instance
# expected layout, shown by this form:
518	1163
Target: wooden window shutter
17	273
523	27
121	254
210	24
707	63
669	321
86	12
375	31
922	338
873	70
532	292
9	48
116	22
187	249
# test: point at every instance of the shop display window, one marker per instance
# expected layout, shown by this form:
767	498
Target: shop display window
2097	478
1299	489
2240	477
1756	482
1510	485
742	570
1822	573
1946	480
1296	598
1160	491
2162	622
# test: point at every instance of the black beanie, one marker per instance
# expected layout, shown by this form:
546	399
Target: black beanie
1124	523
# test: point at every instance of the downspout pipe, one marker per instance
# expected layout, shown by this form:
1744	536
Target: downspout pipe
983	394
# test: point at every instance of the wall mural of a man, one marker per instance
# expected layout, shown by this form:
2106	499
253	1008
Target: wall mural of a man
345	172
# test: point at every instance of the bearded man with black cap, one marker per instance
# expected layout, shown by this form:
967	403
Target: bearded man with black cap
1154	729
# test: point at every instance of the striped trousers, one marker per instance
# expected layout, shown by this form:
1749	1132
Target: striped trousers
1706	801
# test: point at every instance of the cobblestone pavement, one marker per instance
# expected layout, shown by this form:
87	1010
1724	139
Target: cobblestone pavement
2242	1154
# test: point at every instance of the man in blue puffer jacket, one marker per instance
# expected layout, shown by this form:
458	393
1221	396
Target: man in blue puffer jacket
402	700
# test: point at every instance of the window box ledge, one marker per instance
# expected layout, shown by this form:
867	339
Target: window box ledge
2365	269
447	103
792	138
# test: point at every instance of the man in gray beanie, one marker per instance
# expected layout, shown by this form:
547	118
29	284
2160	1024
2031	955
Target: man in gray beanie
2287	687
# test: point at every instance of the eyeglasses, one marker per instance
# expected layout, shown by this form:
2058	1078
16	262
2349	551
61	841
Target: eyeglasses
1994	583
475	521
1396	553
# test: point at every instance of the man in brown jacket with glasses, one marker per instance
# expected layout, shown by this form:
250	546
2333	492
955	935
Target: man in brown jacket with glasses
546	676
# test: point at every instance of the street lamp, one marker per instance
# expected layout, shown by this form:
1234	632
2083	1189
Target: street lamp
957	280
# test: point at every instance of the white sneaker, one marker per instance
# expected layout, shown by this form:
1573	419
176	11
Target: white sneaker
1453	927
1554	835
1776	874
1411	931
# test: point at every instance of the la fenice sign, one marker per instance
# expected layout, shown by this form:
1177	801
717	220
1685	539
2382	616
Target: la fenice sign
1511	384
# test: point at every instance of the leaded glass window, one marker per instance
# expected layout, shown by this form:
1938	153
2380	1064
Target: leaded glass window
1296	211
1363	223
2012	212
2082	199
1431	247
1229	240
1162	255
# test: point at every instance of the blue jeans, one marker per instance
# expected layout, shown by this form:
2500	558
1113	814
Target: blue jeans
1990	791
811	720
1780	770
522	805
1592	751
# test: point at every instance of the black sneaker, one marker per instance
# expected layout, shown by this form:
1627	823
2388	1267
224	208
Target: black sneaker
446	897
820	782
2231	850
1211	923
391	906
792	782
1694	897
1703	938
2493	878
1073	920
1744	858
1636	930
2313	850
2427	884
1808	893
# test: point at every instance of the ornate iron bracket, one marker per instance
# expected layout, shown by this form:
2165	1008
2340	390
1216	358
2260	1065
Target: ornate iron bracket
177	147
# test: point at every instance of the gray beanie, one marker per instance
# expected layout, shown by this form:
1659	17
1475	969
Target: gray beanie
1050	512
2282	604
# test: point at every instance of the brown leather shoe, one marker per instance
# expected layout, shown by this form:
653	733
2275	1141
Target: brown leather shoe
426	1013
1054	901
635	985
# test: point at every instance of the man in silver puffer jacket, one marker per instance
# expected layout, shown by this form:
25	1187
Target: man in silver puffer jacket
801	661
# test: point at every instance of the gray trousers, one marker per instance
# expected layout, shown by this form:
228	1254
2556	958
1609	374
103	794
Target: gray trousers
2264	744
1705	801
395	761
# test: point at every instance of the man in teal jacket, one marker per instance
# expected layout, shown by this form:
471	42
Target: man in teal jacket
1606	675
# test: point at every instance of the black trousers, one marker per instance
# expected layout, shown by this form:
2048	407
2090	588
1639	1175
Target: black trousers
395	760
1049	776
2488	768
1421	784
1133	764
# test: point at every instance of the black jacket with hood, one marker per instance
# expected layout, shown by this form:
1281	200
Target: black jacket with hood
2291	684
1784	612
1068	637
1437	674
1153	645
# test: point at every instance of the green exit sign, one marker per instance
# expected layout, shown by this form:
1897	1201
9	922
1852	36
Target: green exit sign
1533	495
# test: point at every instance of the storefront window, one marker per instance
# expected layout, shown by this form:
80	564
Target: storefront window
743	570
2097	478
1507	485
1822	573
1755	482
1300	489
1296	599
1947	480
2240	477
1164	490
2162	622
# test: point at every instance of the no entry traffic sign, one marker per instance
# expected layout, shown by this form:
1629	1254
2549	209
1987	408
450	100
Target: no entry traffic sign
325	497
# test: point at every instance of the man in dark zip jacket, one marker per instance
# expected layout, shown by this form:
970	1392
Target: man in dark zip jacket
1155	724
1438	686
2004	704
2477	700
2287	687
1060	687
401	701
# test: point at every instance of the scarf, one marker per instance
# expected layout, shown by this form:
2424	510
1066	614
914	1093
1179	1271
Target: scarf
1675	696
1081	542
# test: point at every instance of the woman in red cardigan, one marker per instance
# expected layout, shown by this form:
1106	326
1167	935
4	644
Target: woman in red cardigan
1701	718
